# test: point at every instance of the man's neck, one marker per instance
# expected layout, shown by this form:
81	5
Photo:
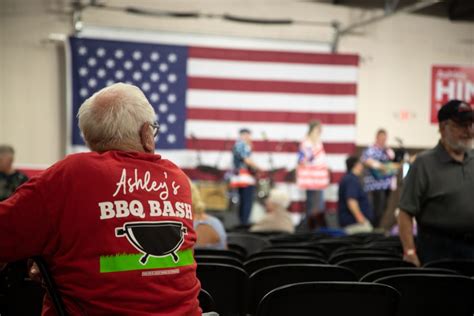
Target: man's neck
455	154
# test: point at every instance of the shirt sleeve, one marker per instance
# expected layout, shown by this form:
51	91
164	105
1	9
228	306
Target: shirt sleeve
366	154
352	190
24	225
414	186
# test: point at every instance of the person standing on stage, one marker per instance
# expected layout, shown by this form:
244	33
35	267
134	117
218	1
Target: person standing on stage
313	174
379	176
244	169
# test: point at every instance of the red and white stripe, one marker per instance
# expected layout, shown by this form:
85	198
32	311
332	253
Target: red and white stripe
274	93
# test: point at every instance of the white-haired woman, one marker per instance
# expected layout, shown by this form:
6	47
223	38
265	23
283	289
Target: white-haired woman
277	218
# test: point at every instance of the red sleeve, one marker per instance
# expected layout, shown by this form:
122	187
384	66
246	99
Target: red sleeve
24	224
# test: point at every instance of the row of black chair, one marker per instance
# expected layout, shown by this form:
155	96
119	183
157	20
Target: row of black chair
234	294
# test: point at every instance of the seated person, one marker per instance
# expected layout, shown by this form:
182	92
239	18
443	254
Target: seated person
353	203
277	218
114	225
209	229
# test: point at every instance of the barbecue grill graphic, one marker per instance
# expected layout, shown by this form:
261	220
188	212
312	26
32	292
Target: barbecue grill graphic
156	239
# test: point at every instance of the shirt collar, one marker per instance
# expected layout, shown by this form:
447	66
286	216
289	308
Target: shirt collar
445	157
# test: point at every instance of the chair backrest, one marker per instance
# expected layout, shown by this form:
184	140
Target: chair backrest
25	298
463	266
51	287
388	251
250	243
432	294
218	259
266	279
262	262
226	284
362	266
330	298
219	252
206	302
354	254
377	274
308	246
238	249
288	252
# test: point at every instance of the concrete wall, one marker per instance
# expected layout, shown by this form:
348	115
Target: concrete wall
396	58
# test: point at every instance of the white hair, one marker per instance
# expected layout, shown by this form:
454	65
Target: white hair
279	197
113	117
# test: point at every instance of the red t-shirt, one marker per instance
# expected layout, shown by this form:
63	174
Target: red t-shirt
116	231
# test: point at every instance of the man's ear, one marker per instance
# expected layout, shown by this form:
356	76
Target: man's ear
146	138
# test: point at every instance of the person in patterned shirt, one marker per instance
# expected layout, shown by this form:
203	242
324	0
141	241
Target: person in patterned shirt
10	179
378	178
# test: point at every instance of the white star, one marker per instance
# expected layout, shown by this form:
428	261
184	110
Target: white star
83	71
101	73
118	53
137	55
172	98
172	78
163	108
154	97
119	74
110	63
82	50
171	138
154	56
146	86
137	75
163	128
110	82
101	52
92	82
172	58
83	92
163	87
154	76
163	67
146	66
171	118
128	65
92	62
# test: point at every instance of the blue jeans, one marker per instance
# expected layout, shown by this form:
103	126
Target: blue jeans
314	205
433	246
245	203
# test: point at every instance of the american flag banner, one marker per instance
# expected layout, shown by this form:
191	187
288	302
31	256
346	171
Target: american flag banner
203	95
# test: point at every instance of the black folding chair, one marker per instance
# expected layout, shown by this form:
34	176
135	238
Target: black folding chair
463	266
251	243
362	266
227	285
432	294
377	274
258	263
219	259
51	287
218	252
330	298
266	279
206	302
361	247
306	246
25	298
355	254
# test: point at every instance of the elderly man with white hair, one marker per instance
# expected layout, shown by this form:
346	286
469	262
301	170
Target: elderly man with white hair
115	224
277	218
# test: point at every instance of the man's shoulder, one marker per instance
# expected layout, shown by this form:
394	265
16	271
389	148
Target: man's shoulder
426	155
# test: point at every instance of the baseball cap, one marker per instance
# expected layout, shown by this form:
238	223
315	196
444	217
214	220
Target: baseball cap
456	110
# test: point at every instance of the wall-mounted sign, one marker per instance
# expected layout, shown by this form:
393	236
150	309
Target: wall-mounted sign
450	82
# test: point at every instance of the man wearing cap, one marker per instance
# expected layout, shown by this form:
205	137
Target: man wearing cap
439	190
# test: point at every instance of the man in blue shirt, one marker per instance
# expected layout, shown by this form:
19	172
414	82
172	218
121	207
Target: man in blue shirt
353	203
243	179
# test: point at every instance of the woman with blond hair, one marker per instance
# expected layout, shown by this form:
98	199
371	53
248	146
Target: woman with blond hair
209	229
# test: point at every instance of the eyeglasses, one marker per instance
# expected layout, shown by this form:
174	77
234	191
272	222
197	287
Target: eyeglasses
156	128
